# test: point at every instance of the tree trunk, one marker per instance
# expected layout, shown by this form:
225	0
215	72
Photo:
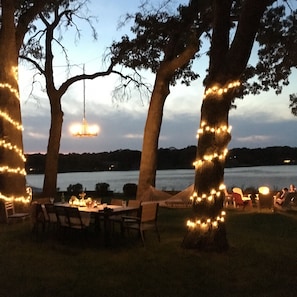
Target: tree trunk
148	163
208	231
12	159
52	156
165	73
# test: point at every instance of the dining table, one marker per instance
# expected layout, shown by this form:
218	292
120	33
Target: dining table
101	212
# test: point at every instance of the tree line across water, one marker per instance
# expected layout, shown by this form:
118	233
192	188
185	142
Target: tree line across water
168	158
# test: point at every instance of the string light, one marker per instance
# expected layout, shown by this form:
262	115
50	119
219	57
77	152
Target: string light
210	158
9	146
17	125
11	89
216	90
12	170
206	224
207	196
24	199
208	129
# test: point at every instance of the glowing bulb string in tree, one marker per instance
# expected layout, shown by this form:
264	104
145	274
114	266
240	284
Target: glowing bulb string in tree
207	199
10	147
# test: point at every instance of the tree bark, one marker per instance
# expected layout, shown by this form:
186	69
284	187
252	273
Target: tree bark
53	148
148	162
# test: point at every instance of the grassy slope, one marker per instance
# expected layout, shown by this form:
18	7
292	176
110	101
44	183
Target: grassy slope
261	261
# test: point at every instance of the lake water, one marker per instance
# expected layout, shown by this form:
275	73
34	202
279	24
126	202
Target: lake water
275	177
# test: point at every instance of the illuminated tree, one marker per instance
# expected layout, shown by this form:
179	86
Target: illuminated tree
228	61
16	20
235	26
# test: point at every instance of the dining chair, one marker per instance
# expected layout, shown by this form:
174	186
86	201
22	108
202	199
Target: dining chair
74	218
117	219
146	220
50	214
12	215
115	201
62	218
37	217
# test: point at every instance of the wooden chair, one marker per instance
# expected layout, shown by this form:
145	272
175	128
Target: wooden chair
147	220
115	201
12	215
239	199
134	203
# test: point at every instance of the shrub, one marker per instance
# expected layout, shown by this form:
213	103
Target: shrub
102	189
75	189
130	190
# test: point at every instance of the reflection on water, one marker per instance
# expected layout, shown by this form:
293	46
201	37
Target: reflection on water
275	177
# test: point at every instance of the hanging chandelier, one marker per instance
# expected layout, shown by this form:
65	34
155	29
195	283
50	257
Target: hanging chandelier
84	129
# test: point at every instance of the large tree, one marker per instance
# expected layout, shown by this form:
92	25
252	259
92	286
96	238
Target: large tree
38	54
235	25
227	69
165	44
16	19
38	50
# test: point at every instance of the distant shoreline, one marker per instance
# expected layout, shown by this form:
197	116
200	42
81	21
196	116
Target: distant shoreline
168	159
92	171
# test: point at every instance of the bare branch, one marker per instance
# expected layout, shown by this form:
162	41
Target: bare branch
39	68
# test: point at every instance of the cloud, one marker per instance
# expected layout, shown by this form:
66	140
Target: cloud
254	139
36	135
133	136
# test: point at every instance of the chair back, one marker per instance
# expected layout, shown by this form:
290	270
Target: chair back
42	200
36	213
134	203
50	212
238	191
115	201
9	208
62	216
237	198
149	212
74	217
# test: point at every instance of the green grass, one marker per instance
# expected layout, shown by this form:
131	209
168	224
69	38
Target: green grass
261	261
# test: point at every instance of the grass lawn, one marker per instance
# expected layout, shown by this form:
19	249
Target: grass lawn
261	261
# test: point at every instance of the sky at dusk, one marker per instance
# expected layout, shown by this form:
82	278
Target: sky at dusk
258	121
